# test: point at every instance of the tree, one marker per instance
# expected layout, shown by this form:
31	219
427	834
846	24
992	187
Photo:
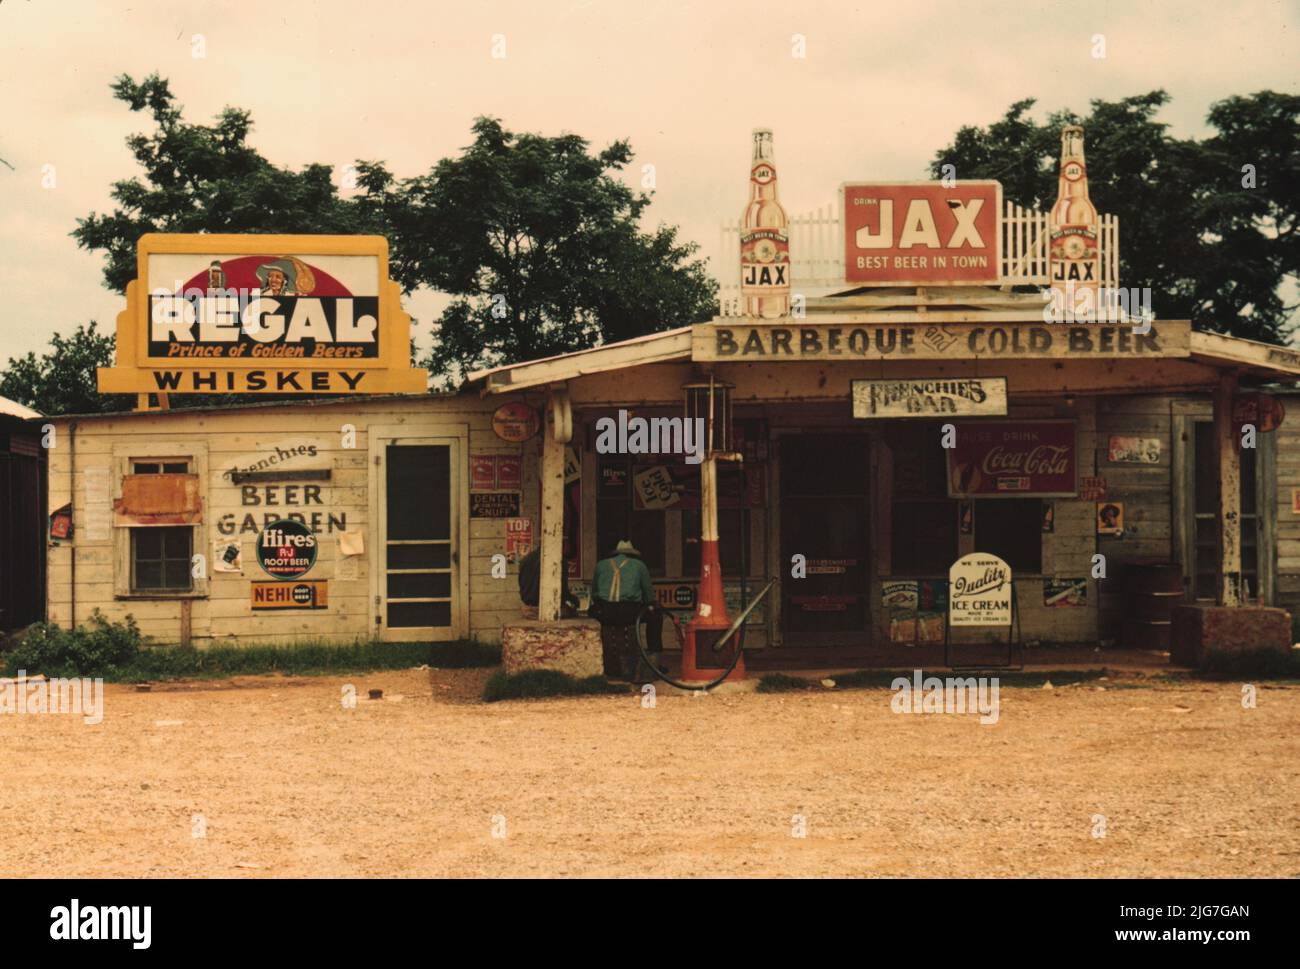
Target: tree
1213	240
63	380
207	178
540	246
535	239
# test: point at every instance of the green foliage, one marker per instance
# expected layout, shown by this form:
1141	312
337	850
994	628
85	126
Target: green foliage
539	243
114	653
536	239
532	684
99	648
63	380
1211	249
306	659
207	178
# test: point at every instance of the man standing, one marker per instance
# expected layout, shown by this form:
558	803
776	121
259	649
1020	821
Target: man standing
620	589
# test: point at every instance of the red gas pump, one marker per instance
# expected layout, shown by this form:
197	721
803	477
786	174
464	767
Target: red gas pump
712	643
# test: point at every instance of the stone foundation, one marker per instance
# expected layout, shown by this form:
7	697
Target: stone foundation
1199	629
570	646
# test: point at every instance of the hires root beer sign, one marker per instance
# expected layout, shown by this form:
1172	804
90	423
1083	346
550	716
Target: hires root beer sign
262	314
1013	459
922	233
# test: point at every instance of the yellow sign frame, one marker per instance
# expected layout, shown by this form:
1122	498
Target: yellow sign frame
135	372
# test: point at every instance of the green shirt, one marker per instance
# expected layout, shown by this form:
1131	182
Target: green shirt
622	578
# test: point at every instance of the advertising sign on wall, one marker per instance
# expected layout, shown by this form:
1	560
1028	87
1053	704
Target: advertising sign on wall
922	233
286	549
290	595
1013	459
979	591
969	396
262	314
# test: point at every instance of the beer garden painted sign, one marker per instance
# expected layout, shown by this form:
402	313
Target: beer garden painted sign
262	314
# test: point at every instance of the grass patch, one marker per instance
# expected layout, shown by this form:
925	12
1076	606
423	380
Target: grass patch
883	679
117	653
532	684
1260	664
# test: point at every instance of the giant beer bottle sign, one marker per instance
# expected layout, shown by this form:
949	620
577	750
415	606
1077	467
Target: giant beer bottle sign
1074	247
764	238
262	314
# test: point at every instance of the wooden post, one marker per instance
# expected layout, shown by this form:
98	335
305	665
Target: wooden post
1228	457
552	530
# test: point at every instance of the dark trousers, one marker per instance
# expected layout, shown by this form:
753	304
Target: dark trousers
618	633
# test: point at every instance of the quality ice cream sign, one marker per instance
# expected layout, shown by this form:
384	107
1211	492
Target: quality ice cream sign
979	591
262	314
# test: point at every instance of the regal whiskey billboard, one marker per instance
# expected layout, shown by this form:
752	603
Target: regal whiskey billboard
262	314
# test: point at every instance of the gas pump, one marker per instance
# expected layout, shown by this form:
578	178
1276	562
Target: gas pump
712	643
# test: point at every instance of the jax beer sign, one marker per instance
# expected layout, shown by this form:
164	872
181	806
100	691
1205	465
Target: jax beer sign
262	314
922	233
1013	459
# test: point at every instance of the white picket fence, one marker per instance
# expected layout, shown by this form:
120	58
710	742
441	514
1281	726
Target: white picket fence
817	253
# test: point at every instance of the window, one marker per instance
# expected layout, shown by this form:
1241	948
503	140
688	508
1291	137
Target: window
618	519
160	467
1011	529
160	559
924	518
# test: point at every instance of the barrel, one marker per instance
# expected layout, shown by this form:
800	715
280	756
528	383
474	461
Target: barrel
1153	590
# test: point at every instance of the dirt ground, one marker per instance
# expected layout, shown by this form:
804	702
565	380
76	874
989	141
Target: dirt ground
289	783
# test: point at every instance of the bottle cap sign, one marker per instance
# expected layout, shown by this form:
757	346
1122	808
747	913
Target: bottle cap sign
515	422
286	549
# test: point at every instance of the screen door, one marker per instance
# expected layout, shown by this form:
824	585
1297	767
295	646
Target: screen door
418	555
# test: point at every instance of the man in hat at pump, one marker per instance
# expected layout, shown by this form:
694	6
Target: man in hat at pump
620	589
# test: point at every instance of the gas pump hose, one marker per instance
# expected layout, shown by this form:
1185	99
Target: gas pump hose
737	630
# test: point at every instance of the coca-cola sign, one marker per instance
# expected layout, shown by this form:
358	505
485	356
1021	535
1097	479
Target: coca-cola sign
1013	459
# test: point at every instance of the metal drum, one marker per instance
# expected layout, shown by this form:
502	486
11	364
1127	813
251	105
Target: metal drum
1152	591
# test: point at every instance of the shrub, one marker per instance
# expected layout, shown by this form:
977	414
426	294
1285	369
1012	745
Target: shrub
98	648
539	683
1262	663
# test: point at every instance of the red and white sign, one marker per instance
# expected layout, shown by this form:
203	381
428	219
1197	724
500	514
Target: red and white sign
519	538
922	233
1013	459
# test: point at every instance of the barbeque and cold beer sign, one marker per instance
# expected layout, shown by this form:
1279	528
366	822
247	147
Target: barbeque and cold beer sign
262	314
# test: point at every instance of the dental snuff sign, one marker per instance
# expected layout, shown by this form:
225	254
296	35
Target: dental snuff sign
979	591
262	314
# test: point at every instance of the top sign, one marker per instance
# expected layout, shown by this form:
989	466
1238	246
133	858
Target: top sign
922	233
262	314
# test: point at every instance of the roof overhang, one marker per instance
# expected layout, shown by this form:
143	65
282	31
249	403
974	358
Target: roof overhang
1248	358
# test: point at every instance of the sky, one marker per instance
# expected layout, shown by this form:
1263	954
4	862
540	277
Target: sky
879	89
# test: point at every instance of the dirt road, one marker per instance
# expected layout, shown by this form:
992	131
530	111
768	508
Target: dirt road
280	780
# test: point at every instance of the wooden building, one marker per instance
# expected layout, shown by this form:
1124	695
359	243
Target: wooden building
22	518
411	498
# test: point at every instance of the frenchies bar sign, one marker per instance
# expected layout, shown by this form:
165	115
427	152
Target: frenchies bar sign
1013	459
922	233
262	314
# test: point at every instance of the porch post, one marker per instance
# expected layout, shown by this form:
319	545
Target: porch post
1228	457
556	432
